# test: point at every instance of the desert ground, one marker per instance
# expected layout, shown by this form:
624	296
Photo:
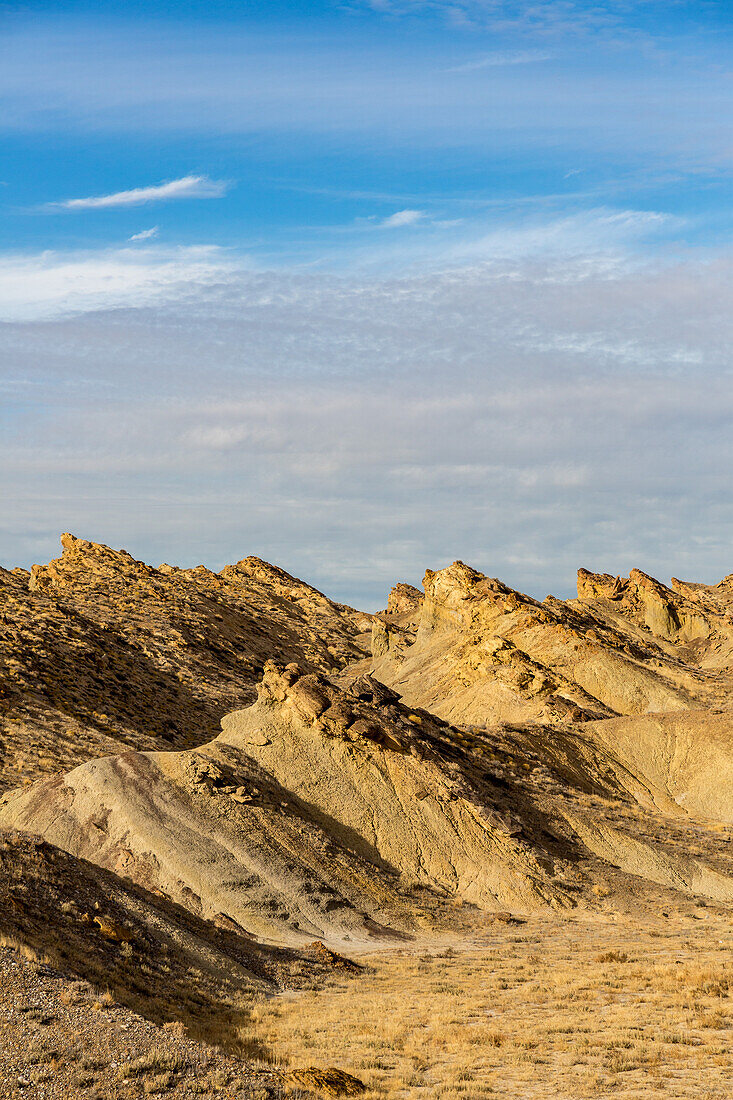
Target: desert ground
570	1009
563	1009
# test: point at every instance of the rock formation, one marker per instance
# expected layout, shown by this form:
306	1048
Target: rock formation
240	752
479	651
310	815
100	653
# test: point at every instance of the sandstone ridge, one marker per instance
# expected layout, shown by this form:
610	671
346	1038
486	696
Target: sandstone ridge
477	650
316	812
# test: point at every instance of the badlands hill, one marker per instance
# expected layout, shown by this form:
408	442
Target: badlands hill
239	751
235	765
100	653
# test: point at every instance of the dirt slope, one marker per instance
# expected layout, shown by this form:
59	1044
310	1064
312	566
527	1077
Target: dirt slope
317	812
685	761
99	652
346	816
154	956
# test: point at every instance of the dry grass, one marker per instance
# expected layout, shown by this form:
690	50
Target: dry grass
533	1015
15	943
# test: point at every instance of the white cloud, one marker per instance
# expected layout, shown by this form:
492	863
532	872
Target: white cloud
402	217
566	17
597	243
145	234
52	284
602	237
188	187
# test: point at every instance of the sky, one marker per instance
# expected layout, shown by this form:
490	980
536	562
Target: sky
365	287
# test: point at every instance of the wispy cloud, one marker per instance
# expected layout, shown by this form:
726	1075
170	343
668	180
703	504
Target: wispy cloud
145	234
377	425
402	217
551	16
187	187
602	236
509	57
51	284
504	460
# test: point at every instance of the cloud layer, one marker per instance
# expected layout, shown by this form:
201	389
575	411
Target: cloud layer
42	287
528	414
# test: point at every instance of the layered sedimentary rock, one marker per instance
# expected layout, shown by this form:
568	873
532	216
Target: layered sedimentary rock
310	815
346	816
494	750
696	618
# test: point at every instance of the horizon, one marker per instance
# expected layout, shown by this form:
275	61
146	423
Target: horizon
370	289
418	584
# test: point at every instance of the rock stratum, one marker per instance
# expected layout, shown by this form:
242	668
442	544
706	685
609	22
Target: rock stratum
290	769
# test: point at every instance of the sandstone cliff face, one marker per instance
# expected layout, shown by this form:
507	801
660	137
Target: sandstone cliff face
635	679
100	652
696	618
346	816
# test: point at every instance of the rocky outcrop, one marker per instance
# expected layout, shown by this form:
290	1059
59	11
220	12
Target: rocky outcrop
489	753
346	816
483	652
394	630
406	600
395	783
667	613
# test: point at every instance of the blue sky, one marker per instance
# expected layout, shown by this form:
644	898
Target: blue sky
238	230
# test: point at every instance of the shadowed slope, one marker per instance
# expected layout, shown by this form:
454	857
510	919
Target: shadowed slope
315	813
346	816
99	652
154	956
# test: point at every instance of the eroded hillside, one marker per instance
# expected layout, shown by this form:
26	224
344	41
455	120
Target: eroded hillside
100	652
213	781
474	650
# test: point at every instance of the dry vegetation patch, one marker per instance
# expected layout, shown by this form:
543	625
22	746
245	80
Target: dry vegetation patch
531	1014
